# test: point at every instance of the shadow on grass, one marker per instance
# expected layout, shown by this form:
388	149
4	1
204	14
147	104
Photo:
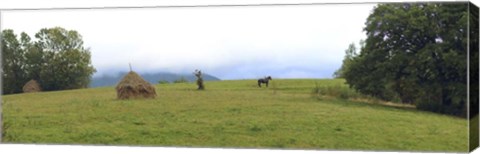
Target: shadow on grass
374	103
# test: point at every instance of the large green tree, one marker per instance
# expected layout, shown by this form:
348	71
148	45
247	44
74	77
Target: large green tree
56	59
13	61
66	63
33	58
415	53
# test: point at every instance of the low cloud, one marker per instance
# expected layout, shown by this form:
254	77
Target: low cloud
228	42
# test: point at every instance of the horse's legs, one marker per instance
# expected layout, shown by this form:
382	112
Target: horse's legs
259	84
266	84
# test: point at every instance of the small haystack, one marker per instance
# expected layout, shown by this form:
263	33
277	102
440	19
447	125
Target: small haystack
31	86
134	86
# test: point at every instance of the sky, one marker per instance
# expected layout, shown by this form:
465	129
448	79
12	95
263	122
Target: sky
102	44
242	42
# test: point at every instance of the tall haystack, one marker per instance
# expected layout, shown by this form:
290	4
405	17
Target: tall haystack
31	86
134	86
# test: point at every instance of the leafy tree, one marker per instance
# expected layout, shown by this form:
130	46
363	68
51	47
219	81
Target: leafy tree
415	53
57	59
33	57
66	63
349	54
13	61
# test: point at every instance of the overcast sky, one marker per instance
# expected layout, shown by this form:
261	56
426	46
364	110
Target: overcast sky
305	41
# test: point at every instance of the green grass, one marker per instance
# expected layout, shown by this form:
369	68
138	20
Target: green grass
232	113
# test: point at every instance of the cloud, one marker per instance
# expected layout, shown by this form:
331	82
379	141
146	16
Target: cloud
289	41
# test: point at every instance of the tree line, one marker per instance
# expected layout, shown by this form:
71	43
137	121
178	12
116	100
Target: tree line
416	53
56	59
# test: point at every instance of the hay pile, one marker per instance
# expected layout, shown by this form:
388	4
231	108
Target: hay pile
31	86
134	86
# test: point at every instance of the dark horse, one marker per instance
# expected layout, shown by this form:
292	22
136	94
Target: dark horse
264	80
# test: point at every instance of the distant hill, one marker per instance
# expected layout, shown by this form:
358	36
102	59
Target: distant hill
104	81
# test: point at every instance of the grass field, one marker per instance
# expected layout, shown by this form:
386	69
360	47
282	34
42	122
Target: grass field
232	114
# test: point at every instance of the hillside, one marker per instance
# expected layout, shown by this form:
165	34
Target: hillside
104	81
230	113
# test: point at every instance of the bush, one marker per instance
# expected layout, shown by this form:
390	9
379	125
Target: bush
342	92
163	82
445	105
181	80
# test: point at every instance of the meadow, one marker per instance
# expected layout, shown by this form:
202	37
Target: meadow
229	114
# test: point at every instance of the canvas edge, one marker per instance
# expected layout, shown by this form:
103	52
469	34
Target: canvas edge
472	137
473	80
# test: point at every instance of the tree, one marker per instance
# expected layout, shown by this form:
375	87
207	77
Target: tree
66	63
33	57
349	54
415	53
13	63
57	59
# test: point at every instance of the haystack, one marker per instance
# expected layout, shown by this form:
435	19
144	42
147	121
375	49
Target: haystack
134	86
31	86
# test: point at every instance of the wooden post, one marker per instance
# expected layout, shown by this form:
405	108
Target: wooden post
130	66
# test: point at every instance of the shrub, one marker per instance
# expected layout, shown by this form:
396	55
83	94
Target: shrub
163	82
342	92
181	80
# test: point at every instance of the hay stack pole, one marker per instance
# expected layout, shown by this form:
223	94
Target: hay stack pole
130	66
133	85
